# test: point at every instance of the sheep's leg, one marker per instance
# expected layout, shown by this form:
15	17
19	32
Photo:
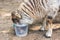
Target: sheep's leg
49	32
44	25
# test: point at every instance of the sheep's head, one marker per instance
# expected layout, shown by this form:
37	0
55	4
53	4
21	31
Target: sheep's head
15	17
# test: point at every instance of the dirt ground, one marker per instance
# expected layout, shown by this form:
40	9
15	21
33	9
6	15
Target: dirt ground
6	24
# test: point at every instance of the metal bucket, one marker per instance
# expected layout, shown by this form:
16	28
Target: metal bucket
21	30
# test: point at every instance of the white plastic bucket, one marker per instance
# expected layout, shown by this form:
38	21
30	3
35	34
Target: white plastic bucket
21	30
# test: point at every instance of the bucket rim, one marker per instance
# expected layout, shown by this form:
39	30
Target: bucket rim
21	25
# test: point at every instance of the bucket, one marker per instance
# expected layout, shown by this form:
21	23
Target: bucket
21	30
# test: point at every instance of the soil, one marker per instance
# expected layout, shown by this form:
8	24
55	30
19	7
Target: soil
6	31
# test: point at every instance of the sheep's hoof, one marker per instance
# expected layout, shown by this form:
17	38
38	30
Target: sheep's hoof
41	30
47	36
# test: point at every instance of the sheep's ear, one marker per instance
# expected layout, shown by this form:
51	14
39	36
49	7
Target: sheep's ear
16	14
19	14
